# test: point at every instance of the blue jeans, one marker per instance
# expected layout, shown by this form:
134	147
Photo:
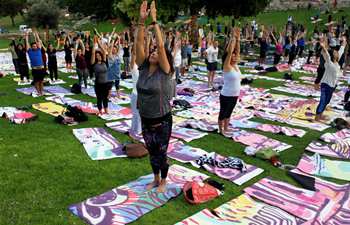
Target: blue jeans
326	96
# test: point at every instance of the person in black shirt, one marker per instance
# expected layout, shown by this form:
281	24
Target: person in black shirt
22	61
126	57
52	62
87	56
68	53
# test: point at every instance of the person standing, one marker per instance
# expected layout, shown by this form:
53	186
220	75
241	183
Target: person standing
52	62
102	86
230	92
153	101
329	79
22	62
68	53
37	64
115	53
126	57
12	49
212	58
136	120
81	64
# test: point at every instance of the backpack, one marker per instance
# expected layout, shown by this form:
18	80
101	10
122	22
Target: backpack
182	104
340	124
76	113
246	81
196	192
288	76
135	150
76	88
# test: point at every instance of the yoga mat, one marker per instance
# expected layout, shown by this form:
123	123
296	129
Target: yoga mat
15	115
241	210
258	141
338	136
315	165
127	203
99	144
233	175
49	108
203	125
340	149
184	153
120	126
329	204
187	134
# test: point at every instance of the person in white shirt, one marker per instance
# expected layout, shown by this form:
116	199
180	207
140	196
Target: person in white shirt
136	120
230	91
329	79
212	58
176	52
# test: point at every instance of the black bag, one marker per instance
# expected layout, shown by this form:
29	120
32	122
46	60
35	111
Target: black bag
246	81
124	75
259	68
347	106
182	103
76	88
347	96
76	113
288	76
340	124
271	69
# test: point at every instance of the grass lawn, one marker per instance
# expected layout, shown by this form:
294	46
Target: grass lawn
44	169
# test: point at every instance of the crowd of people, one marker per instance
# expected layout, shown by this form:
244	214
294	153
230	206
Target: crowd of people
158	59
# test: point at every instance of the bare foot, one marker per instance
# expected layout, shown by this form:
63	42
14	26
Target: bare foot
162	186
152	185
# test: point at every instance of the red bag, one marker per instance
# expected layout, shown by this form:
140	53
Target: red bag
198	192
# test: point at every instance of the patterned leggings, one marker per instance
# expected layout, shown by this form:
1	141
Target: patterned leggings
157	138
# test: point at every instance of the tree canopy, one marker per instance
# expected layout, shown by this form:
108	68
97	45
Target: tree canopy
11	8
43	13
168	10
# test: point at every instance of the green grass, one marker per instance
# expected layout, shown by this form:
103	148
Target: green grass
44	169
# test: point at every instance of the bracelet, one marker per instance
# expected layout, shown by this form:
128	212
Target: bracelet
141	24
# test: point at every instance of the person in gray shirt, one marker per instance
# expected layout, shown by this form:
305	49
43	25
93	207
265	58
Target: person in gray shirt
102	85
154	93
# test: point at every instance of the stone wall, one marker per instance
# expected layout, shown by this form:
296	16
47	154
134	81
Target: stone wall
293	4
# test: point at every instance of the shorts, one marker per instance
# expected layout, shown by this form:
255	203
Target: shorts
38	75
212	66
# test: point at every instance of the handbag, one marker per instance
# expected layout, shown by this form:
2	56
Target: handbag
135	150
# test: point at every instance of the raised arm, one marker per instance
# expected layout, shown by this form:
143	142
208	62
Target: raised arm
237	35
148	43
140	45
27	41
93	51
324	51
342	47
133	53
230	48
103	50
163	59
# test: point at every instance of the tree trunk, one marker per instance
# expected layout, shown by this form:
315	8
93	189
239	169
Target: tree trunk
193	25
13	21
47	33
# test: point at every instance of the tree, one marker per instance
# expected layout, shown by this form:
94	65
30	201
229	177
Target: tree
43	13
102	9
11	8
